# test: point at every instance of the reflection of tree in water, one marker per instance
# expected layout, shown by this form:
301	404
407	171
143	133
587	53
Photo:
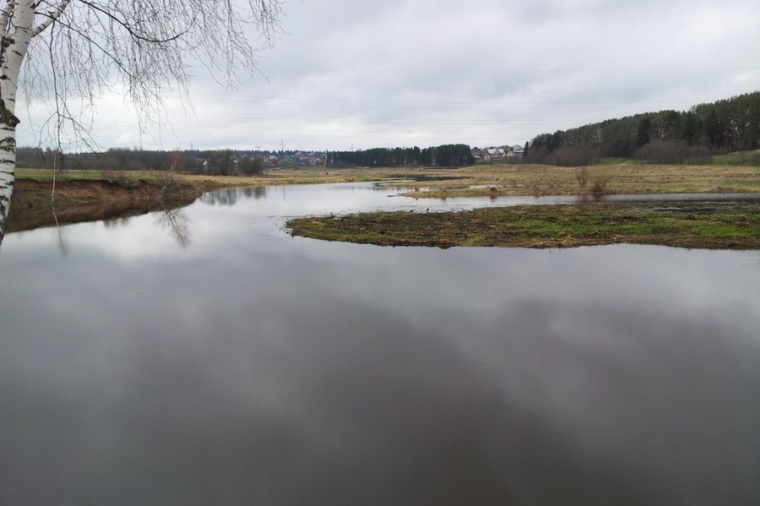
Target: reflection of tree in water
256	192
63	245
221	197
230	196
178	224
117	222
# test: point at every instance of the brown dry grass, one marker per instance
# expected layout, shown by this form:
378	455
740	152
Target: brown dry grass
620	179
487	180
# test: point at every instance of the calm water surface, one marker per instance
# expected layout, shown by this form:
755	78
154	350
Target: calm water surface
208	358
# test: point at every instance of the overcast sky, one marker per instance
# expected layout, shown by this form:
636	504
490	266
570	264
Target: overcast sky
386	73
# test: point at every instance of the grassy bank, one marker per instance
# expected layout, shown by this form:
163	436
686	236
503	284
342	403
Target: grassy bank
715	225
209	182
634	179
481	180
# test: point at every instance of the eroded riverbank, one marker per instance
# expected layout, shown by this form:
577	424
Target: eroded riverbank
92	200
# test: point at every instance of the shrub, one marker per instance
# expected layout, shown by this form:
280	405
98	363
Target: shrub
571	157
599	183
672	152
251	165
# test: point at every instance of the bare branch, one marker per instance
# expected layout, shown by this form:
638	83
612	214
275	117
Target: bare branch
95	44
132	31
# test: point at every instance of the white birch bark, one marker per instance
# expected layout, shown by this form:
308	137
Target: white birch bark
18	18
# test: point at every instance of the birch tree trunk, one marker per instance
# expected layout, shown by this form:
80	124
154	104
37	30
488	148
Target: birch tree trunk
17	24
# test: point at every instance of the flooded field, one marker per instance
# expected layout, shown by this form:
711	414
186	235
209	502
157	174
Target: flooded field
204	356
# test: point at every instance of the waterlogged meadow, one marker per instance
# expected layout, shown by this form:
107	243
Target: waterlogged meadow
711	224
206	356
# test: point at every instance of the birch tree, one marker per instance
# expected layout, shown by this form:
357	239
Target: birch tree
67	53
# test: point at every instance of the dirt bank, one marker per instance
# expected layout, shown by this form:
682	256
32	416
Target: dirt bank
92	200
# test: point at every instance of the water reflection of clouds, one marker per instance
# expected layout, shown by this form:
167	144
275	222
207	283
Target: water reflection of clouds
399	355
485	274
619	374
693	281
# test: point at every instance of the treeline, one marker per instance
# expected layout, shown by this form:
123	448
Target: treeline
691	136
113	159
446	155
227	161
222	162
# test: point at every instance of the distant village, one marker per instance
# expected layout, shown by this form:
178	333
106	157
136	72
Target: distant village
497	152
313	158
301	158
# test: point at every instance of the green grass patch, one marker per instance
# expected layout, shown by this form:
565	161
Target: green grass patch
44	175
714	225
750	158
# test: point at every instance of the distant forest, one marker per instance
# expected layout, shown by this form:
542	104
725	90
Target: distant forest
447	155
227	161
692	136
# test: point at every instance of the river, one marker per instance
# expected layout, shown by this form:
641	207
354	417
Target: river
207	357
